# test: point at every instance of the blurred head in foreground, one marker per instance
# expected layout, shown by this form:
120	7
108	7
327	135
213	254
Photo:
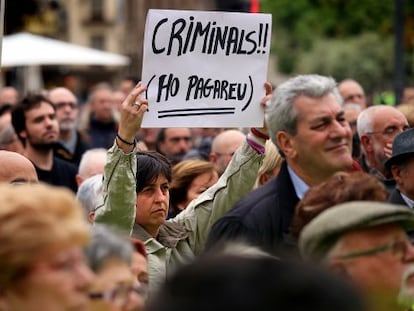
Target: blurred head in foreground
42	235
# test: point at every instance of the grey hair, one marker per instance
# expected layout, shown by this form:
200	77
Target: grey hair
281	114
107	244
7	135
352	106
365	122
89	193
96	88
88	158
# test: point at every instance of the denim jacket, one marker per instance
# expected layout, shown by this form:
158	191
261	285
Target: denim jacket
184	236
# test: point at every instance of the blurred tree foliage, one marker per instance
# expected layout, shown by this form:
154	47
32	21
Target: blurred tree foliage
341	38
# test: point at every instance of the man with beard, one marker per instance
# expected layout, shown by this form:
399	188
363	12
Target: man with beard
174	143
98	123
377	127
70	146
35	123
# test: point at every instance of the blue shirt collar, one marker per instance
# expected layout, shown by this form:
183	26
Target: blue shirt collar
407	200
300	186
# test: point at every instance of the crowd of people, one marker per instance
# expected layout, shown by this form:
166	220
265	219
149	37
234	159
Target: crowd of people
313	210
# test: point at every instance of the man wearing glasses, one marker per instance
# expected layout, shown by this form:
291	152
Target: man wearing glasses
367	243
377	127
70	146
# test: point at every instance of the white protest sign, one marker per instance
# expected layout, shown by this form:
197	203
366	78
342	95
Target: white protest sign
205	69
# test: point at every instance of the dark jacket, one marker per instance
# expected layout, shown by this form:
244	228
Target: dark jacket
61	152
396	198
262	218
101	134
62	174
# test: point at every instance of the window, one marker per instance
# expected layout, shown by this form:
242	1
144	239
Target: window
98	42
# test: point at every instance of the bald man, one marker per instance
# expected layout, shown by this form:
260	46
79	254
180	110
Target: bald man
352	92
223	147
15	168
92	163
377	127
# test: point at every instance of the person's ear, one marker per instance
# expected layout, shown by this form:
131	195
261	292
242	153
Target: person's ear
366	142
91	217
23	134
286	143
79	179
263	178
396	173
212	157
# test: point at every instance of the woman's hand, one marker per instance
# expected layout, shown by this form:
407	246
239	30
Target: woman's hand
132	113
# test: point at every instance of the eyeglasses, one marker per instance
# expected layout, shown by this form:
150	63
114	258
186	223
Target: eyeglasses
397	248
23	181
61	105
353	96
178	138
228	154
120	294
391	130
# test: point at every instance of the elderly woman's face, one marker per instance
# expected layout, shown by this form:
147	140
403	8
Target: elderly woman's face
57	281
115	288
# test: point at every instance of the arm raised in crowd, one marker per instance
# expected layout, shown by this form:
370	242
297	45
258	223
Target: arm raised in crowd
120	170
136	195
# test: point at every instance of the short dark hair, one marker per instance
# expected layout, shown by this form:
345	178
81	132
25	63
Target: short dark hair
161	135
150	165
5	108
29	102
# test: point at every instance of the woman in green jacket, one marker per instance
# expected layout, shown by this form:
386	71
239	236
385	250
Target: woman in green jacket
136	196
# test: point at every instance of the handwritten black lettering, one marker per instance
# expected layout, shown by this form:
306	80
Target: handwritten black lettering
172	113
199	88
176	35
154	48
186	35
169	87
202	32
